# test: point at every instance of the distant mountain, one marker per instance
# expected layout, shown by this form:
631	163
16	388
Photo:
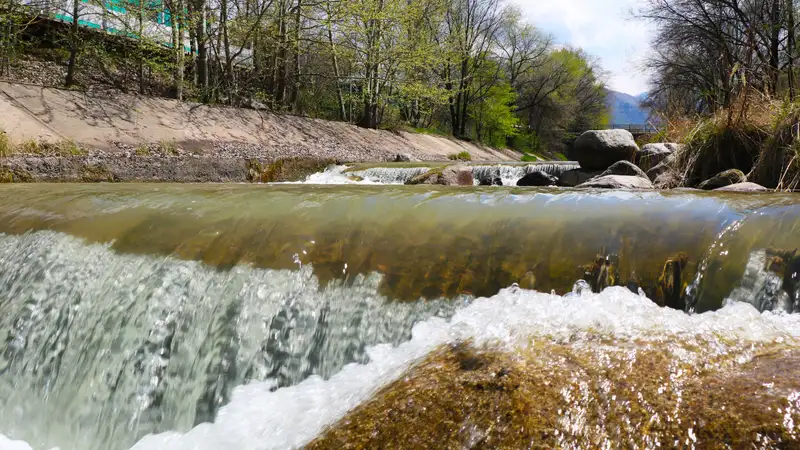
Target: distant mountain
626	109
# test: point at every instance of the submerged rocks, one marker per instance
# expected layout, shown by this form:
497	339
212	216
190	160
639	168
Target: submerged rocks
624	168
618	182
572	178
457	175
743	187
538	178
722	179
599	149
651	155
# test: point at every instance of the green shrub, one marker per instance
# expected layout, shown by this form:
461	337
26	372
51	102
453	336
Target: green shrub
168	147
461	156
6	149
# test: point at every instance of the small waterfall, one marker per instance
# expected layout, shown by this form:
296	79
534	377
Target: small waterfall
510	174
390	175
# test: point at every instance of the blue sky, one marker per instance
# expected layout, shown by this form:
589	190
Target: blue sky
601	27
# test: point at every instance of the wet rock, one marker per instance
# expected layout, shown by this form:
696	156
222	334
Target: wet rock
538	178
599	149
458	175
618	182
624	168
491	181
672	282
722	179
600	274
651	155
572	178
743	187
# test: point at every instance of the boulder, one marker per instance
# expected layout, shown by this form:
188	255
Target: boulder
403	157
457	175
743	187
618	182
572	178
722	179
538	178
651	155
624	168
599	149
668	180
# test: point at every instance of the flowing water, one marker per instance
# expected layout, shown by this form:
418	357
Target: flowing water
507	173
241	316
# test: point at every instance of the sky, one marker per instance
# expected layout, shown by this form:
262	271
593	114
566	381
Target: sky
603	28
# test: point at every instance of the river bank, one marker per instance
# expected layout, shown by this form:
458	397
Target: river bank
106	124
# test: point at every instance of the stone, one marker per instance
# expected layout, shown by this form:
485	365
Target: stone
743	187
599	149
618	182
538	178
651	155
457	175
572	178
667	180
624	168
722	179
403	157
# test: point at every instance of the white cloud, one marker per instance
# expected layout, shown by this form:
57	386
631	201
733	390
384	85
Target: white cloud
601	27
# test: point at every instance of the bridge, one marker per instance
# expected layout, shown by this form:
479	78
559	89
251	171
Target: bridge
634	128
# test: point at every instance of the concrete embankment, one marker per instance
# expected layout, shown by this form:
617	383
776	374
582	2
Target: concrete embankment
204	143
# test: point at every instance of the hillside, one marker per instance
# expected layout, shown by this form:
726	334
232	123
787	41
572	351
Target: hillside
626	109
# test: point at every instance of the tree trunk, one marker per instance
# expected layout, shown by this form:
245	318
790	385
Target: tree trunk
202	49
790	46
73	45
295	92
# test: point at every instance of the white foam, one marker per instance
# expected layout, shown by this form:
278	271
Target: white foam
9	444
292	416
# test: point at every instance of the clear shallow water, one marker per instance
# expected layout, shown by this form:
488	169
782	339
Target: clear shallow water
253	317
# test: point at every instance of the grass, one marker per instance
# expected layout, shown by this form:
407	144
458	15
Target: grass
168	147
740	137
64	147
142	150
460	156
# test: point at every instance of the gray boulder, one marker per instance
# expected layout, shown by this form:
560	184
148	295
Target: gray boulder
624	168
668	180
722	179
618	182
538	178
457	175
651	155
572	178
743	187
599	149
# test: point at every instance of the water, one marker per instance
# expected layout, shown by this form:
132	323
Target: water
181	316
508	173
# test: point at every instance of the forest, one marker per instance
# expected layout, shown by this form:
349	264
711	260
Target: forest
473	69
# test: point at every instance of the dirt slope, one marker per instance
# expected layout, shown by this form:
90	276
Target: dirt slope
114	121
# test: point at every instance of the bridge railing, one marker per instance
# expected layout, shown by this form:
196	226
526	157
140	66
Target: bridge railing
633	127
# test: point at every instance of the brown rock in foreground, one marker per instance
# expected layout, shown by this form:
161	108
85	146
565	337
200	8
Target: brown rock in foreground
589	396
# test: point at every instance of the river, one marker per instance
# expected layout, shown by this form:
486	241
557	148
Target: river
258	316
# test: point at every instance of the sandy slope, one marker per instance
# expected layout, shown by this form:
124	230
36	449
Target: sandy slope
101	121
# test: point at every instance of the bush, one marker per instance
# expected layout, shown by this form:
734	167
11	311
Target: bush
6	149
461	156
